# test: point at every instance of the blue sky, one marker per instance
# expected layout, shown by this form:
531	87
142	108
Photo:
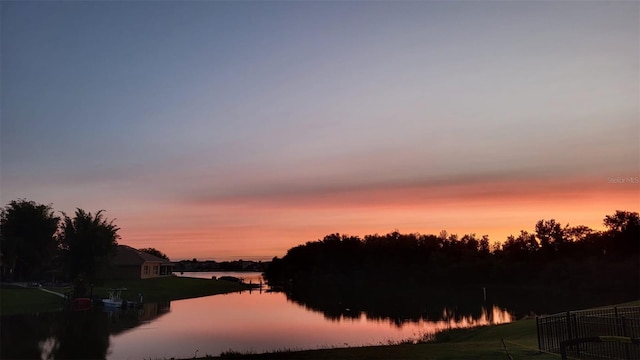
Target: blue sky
184	118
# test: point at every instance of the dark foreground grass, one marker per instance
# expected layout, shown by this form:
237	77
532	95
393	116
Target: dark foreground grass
485	342
18	300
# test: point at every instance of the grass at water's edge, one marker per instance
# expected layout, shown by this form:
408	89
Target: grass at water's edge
19	300
169	288
16	300
474	343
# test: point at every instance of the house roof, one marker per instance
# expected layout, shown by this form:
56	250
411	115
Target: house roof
126	255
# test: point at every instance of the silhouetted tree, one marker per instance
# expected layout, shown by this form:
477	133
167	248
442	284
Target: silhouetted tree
622	221
484	247
88	243
155	252
554	257
623	236
27	238
520	247
551	235
578	233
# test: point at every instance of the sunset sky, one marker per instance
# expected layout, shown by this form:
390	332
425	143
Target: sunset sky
227	130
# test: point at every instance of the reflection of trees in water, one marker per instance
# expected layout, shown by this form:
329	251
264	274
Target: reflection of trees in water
348	300
123	320
71	334
345	301
81	335
19	335
526	301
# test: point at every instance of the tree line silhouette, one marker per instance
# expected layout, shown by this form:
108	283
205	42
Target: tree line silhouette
554	256
38	245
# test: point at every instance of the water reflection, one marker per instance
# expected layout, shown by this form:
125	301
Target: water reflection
258	321
399	307
262	322
249	321
70	334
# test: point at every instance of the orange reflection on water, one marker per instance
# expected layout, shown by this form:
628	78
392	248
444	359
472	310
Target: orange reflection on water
259	322
490	316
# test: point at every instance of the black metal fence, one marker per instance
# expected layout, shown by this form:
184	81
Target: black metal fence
607	333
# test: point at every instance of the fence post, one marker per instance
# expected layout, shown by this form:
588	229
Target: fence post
577	333
624	333
569	337
538	332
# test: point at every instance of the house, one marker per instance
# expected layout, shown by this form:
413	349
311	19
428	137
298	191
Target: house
130	263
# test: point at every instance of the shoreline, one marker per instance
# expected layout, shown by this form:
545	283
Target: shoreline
21	300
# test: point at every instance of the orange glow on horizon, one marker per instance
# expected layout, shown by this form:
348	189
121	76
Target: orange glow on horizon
266	226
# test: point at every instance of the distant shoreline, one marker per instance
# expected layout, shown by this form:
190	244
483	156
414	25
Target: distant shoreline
24	300
218	270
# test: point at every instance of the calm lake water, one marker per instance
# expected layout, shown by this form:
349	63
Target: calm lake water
254	321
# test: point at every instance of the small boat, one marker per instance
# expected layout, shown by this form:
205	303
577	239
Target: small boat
115	298
79	304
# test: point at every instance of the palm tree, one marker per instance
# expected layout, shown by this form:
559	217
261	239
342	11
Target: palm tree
88	243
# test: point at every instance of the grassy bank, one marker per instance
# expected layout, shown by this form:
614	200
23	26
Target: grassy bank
169	288
476	343
19	300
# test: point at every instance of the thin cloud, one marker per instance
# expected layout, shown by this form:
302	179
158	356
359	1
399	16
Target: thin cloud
472	188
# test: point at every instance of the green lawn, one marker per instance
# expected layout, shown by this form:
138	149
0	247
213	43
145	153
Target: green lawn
169	288
17	300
